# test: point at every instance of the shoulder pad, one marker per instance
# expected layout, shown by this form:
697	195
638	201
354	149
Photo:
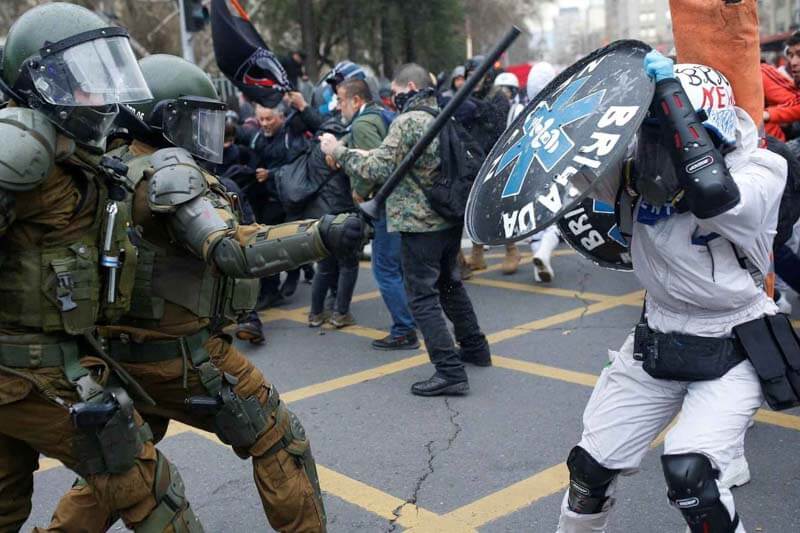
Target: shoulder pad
27	148
177	179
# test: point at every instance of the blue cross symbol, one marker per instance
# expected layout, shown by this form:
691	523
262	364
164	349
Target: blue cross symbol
545	138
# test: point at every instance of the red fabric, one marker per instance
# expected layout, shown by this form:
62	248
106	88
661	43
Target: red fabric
781	100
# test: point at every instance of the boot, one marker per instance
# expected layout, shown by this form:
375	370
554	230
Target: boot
476	260
512	259
543	271
463	267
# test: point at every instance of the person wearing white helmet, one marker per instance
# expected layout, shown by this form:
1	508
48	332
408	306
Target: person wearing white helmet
509	84
545	242
705	199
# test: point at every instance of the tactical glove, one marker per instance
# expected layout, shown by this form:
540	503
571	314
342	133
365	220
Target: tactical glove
343	234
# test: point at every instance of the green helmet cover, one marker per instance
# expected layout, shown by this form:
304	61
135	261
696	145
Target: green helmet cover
170	77
51	22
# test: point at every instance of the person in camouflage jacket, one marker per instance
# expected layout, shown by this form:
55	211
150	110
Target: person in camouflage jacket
430	244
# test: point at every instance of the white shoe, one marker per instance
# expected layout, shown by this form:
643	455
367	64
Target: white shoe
783	305
543	271
737	474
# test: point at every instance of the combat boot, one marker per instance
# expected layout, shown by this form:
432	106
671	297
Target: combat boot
512	259
476	260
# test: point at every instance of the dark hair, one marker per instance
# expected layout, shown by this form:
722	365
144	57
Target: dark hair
230	130
411	72
793	39
355	87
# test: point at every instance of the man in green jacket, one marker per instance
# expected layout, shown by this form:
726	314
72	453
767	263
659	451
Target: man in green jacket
430	244
368	127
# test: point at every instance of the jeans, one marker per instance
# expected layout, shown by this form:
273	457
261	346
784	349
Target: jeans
434	289
338	272
388	273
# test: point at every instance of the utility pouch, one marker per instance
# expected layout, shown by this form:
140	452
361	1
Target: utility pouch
108	440
680	357
73	288
773	349
239	297
240	421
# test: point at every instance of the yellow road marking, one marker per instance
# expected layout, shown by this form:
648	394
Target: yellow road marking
545	371
778	419
538	289
353	379
383	504
566	316
513	498
526	255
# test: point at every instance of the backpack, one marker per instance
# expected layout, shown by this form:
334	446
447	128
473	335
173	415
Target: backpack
296	188
386	115
460	158
789	210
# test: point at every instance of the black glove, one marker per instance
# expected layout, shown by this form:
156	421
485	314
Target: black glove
7	202
343	234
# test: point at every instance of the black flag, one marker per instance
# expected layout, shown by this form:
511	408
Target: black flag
243	56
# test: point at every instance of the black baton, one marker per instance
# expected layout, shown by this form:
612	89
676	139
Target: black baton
373	207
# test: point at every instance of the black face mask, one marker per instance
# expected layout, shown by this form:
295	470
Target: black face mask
401	99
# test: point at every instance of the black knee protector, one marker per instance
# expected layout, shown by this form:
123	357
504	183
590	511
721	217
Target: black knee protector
692	488
588	482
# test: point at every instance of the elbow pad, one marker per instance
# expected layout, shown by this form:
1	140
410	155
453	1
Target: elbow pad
271	250
708	188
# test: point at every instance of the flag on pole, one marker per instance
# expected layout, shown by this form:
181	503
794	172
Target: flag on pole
243	56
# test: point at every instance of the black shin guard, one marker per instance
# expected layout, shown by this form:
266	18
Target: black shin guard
692	488
588	482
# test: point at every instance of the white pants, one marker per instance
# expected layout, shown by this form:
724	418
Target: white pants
546	240
628	409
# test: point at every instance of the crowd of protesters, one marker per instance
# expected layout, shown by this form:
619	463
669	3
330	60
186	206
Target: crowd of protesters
274	162
275	158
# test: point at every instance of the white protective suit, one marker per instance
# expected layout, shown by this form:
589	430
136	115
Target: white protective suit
692	289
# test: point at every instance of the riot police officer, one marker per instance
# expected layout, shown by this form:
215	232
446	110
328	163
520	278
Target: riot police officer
66	72
194	257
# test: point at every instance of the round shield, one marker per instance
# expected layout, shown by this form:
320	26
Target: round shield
569	137
591	229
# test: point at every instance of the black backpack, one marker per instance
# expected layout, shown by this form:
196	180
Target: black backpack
789	210
461	158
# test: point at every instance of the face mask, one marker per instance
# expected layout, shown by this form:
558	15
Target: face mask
401	99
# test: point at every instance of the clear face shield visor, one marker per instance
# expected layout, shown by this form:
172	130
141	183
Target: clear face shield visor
92	69
196	124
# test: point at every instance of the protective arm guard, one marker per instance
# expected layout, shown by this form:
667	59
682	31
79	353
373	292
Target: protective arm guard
265	250
708	188
208	227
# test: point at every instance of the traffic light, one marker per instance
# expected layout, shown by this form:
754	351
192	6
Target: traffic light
195	15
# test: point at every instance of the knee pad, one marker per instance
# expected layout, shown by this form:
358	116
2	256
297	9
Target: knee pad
692	488
172	511
588	482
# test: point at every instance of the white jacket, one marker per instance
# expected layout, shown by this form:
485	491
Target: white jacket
700	289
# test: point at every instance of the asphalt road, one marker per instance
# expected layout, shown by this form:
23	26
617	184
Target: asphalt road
491	461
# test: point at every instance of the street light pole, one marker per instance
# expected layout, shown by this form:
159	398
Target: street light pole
186	38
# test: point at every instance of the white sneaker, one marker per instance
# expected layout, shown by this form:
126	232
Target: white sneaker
543	271
737	474
783	305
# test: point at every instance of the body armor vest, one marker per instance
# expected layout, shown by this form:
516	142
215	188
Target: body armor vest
52	280
168	273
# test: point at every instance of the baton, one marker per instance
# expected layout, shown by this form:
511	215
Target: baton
373	207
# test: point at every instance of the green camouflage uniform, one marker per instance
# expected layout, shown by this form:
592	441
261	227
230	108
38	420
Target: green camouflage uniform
407	208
